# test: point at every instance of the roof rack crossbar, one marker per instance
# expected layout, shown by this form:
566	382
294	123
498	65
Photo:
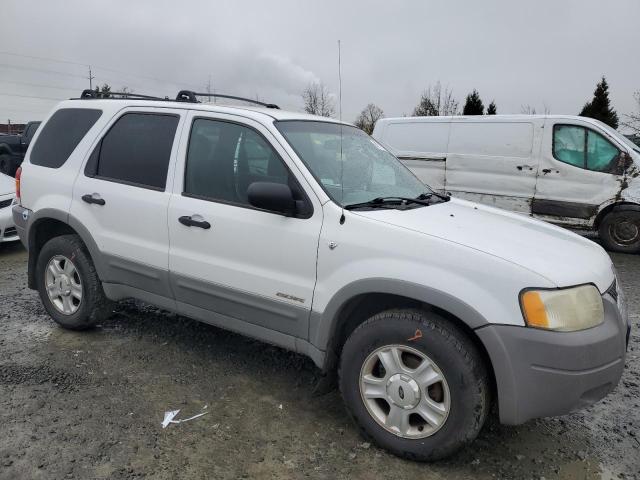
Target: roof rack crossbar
189	96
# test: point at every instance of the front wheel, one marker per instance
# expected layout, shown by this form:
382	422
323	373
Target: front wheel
620	231
415	384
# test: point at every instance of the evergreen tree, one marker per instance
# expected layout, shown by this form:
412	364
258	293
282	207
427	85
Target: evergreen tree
473	105
492	110
600	107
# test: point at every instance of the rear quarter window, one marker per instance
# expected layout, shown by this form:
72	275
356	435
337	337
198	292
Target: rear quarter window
61	134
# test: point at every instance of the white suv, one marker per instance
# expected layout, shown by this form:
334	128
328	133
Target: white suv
304	232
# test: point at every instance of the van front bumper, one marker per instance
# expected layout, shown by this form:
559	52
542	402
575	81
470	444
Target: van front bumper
541	373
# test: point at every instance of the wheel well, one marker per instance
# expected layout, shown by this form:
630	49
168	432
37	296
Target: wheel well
609	208
362	307
39	234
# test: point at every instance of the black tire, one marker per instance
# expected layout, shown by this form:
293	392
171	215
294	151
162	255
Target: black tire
619	230
94	306
6	165
454	354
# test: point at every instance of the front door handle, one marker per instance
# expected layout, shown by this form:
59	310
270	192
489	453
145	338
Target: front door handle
524	167
194	221
93	198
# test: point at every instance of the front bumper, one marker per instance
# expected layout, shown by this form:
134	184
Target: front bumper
541	373
8	232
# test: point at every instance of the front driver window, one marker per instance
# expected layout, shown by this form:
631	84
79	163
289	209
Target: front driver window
584	148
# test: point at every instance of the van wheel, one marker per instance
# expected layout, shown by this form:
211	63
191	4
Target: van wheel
414	383
5	165
620	231
68	284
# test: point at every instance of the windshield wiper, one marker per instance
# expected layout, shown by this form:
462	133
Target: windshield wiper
428	195
387	201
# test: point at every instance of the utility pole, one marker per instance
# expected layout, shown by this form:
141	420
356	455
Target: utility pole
90	77
9	126
209	89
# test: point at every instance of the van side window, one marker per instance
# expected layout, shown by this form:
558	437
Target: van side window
224	158
583	148
135	151
600	152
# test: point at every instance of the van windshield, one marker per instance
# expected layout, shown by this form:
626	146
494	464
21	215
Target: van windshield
623	138
363	172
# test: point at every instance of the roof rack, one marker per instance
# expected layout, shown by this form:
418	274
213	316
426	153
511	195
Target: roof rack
87	94
189	96
183	96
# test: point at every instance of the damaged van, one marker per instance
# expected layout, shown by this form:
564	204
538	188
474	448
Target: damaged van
576	172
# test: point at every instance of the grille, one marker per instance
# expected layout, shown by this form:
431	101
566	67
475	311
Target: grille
6	203
10	232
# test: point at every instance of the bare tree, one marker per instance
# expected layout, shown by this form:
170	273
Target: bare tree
632	121
368	118
529	110
318	101
435	101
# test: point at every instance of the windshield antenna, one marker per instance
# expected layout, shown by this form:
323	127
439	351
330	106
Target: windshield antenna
342	218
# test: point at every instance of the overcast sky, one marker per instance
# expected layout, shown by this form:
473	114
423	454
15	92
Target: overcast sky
514	52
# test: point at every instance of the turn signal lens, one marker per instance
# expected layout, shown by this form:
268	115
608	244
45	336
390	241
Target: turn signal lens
18	175
563	310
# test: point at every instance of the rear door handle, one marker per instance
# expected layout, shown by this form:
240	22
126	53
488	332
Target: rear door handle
194	221
93	198
524	167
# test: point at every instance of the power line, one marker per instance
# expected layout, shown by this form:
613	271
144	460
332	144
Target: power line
99	67
55	72
41	85
43	58
30	96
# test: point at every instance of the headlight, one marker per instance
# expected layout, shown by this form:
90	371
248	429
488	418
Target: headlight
563	310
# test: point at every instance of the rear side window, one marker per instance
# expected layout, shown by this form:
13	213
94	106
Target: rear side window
61	134
136	150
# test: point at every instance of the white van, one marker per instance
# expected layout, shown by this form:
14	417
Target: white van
572	171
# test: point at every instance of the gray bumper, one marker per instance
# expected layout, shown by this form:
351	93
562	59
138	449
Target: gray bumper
542	374
20	220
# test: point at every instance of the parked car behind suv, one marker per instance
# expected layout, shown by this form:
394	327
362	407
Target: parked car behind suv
8	231
304	232
13	148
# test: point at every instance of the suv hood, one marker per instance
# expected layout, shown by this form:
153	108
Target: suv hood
7	184
562	257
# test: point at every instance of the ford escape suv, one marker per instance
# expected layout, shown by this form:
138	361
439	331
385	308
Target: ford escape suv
306	233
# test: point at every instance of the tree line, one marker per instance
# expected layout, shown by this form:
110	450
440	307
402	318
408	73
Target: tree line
437	100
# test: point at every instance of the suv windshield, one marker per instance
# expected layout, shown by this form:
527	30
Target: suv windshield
365	171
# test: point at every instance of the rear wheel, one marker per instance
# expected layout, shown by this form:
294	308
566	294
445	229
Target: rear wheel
414	383
620	231
68	284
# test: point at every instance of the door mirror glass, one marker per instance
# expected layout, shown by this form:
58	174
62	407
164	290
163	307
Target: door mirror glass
274	197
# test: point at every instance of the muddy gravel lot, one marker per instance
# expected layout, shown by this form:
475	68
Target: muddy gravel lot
90	405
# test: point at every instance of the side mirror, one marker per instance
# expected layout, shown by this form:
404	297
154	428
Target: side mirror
275	197
624	161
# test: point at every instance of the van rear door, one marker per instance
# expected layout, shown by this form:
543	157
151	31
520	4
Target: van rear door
493	162
420	144
578	172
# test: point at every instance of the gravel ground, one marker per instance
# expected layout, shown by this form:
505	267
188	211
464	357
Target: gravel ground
89	405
